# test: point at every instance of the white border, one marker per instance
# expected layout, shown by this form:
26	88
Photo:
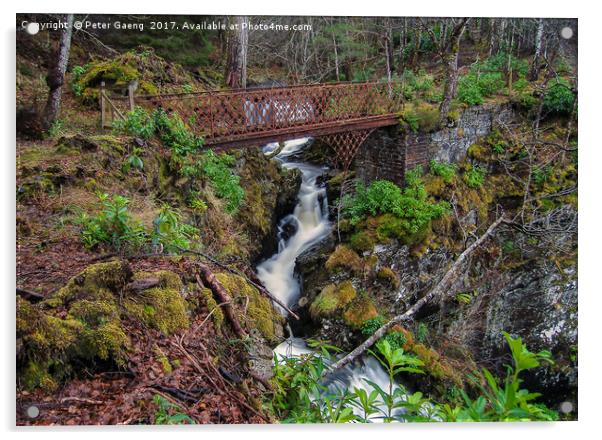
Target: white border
590	166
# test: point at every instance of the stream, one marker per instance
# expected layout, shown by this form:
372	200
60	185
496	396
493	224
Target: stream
307	225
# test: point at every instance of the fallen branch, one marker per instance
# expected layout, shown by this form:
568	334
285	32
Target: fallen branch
438	291
30	295
219	290
247	279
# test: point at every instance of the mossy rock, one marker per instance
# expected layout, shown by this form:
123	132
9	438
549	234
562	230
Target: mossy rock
332	300
164	307
362	241
360	310
97	281
344	258
49	345
261	314
387	275
217	315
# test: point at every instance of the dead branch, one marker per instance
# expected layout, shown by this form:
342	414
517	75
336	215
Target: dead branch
30	295
219	290
439	291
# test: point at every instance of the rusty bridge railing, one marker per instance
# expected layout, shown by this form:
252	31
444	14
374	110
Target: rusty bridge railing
237	117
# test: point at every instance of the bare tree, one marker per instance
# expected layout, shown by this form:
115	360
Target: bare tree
448	49
535	67
56	74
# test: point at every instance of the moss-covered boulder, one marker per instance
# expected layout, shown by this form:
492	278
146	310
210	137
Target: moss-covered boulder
344	258
83	321
260	313
162	307
332	300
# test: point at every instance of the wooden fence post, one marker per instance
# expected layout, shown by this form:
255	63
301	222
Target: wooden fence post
132	86
103	115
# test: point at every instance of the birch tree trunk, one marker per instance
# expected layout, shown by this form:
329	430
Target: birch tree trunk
56	74
238	44
535	67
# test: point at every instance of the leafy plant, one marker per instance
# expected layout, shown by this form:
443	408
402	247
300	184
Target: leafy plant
56	129
559	97
169	413
133	160
136	123
474	177
76	74
171	232
445	170
300	395
113	225
410	206
218	169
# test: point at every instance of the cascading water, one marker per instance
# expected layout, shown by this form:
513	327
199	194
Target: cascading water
307	225
310	224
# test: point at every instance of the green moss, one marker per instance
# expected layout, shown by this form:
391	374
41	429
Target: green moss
362	241
163	360
107	341
36	375
167	278
387	275
162	308
344	258
97	281
332	300
260	315
49	344
217	315
360	310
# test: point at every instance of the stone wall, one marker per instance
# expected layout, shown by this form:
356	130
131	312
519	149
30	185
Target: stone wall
388	152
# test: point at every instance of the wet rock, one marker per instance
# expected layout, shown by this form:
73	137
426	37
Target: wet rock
539	305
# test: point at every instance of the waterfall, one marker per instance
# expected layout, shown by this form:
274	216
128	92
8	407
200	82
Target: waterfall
309	224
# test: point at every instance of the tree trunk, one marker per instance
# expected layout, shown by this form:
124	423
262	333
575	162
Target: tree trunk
336	56
238	44
535	67
450	59
56	74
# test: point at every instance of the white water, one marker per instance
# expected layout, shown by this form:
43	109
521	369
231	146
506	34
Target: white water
310	218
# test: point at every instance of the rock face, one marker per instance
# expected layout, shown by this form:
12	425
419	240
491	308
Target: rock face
539	305
388	152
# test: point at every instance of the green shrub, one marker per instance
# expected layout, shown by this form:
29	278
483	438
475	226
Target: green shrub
136	123
447	171
469	91
218	169
474	177
559	97
409	206
174	133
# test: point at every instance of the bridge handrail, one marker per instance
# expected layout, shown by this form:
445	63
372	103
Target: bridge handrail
259	89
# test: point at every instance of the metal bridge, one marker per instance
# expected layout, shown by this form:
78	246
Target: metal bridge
343	114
